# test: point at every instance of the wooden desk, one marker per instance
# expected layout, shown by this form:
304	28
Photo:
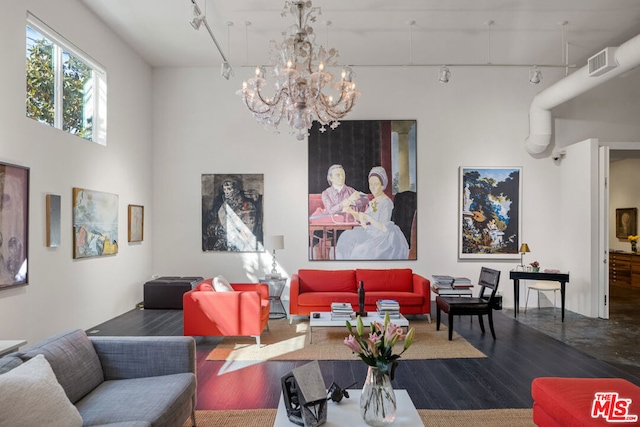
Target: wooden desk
563	278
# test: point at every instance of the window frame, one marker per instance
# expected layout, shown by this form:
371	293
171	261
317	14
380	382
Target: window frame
98	76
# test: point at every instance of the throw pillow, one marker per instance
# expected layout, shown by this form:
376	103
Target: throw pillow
30	395
220	284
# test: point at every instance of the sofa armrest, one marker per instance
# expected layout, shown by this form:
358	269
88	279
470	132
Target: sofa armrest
422	286
261	288
294	291
139	357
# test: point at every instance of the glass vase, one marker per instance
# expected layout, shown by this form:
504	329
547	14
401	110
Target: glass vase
634	247
377	401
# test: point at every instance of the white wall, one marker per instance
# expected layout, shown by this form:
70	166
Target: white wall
624	193
64	293
478	119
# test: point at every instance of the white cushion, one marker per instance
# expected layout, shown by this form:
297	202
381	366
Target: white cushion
30	395
220	284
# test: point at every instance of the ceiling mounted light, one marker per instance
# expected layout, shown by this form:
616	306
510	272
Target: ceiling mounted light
444	74
535	75
198	17
299	84
226	70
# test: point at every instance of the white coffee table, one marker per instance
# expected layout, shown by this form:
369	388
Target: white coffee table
325	321
347	412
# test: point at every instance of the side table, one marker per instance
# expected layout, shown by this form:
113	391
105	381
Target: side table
9	346
276	286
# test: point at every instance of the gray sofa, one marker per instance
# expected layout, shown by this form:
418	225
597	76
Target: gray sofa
123	381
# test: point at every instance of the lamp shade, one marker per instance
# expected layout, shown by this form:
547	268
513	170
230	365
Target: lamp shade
524	248
273	242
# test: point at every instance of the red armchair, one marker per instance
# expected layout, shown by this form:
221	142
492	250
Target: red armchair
243	312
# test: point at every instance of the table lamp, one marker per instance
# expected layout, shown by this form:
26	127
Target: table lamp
524	248
272	243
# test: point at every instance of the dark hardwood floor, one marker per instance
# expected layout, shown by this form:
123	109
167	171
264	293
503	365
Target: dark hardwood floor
502	380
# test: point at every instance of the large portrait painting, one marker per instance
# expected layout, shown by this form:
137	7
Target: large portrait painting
362	191
232	212
490	206
95	223
14	225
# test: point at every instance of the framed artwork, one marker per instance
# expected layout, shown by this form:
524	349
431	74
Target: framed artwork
14	225
95	223
626	222
363	191
232	214
490	206
53	220
136	223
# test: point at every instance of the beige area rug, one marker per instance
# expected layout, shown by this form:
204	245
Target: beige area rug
430	418
284	341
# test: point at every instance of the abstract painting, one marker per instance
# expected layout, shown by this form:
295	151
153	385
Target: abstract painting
363	191
232	212
53	220
95	223
136	223
490	206
14	225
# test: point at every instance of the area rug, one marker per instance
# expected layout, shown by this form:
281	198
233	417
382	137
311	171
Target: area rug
284	341
430	418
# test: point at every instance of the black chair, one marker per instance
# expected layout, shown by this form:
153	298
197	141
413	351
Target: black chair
463	306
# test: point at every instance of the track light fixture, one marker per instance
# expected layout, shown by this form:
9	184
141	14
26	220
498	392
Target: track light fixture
535	75
225	70
444	74
197	22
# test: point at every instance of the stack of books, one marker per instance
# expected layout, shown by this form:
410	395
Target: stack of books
341	311
388	306
448	285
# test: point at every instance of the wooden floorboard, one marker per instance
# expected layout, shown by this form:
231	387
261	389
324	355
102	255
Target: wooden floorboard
501	380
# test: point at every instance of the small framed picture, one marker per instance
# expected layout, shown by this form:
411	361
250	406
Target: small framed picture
626	222
136	223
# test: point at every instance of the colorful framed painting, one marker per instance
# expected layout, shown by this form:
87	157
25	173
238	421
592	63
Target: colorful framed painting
626	222
14	225
136	223
232	212
490	212
95	223
363	191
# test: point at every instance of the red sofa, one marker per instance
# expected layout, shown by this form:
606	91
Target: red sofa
569	402
315	290
243	312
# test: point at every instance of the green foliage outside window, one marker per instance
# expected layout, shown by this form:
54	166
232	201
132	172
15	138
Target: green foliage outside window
76	91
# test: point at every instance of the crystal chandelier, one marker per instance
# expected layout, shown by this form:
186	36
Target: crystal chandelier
299	84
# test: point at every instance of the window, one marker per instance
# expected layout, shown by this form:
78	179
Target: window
66	89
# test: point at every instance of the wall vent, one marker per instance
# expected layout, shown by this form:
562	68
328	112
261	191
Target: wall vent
602	62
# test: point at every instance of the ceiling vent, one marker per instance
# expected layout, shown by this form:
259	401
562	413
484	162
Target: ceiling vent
602	62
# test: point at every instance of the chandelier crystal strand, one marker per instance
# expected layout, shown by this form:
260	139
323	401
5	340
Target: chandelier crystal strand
300	79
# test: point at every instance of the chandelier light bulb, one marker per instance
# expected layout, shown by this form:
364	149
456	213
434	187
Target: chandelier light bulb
298	97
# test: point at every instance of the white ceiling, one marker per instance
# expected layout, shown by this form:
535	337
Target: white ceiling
377	32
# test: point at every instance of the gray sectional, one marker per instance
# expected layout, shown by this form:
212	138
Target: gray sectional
123	381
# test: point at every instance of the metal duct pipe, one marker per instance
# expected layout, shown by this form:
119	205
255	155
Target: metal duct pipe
627	56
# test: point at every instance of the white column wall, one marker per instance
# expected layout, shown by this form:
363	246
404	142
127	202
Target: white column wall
64	293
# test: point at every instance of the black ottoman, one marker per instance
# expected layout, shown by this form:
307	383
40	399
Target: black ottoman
166	292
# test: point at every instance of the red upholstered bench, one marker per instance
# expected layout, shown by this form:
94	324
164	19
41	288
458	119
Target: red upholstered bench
569	402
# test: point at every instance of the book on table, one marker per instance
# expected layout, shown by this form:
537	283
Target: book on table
341	311
451	291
